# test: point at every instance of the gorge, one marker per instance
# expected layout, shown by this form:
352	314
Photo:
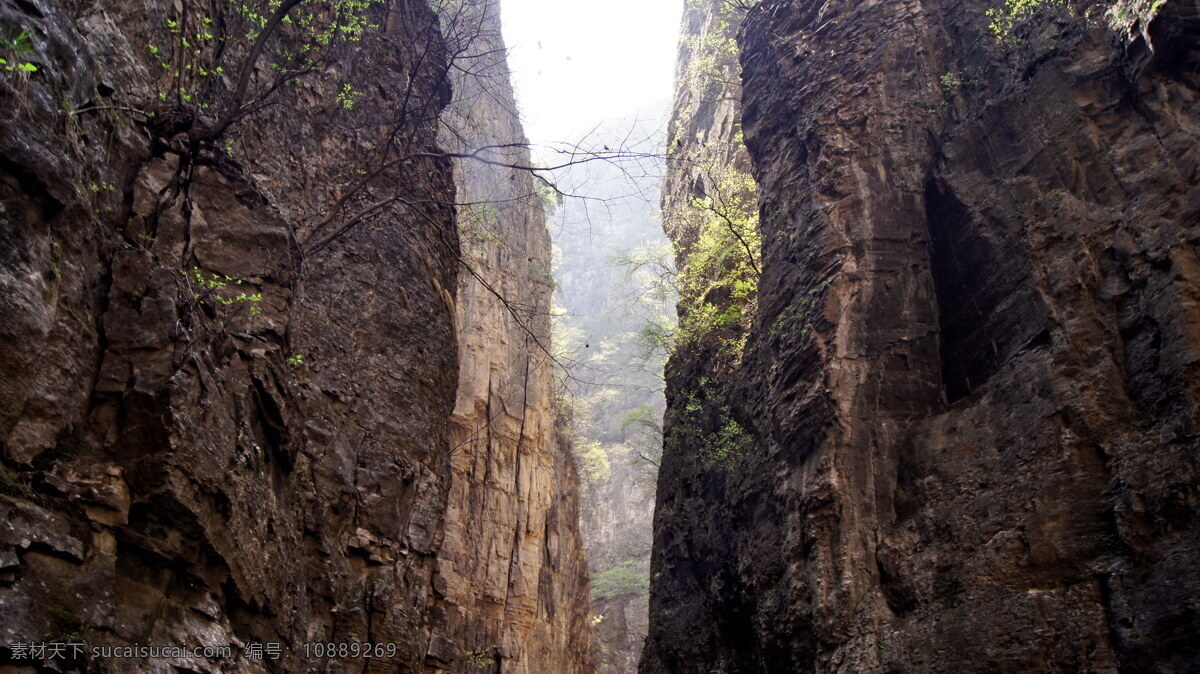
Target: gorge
309	362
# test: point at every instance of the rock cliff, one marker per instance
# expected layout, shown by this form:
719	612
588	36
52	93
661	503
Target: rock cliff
236	327
970	394
513	560
617	530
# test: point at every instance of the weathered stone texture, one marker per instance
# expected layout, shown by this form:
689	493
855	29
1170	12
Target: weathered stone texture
182	471
616	525
974	377
512	561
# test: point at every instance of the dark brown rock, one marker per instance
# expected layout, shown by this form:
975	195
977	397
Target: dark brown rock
975	433
215	431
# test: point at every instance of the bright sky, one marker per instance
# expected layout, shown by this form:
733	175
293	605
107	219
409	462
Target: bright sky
576	63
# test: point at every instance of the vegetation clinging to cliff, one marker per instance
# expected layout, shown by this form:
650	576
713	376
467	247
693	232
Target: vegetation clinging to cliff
719	277
16	50
711	211
1129	17
716	229
629	577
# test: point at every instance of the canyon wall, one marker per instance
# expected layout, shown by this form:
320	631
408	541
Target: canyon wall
513	560
234	313
694	603
616	528
970	390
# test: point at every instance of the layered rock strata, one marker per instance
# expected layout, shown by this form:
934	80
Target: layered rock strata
512	561
972	383
231	350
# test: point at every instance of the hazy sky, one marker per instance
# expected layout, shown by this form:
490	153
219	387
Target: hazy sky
577	62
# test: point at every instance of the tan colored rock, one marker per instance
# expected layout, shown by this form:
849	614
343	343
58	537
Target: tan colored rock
512	561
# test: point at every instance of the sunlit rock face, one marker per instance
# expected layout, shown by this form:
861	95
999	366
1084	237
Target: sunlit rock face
972	382
512	561
227	405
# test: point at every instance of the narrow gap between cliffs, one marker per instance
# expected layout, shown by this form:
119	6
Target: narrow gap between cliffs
594	79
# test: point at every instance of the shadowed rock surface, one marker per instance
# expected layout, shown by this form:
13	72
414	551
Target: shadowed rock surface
972	382
227	407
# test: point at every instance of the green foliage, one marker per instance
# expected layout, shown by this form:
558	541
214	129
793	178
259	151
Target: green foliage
642	429
728	444
658	335
650	269
719	277
1129	17
296	359
953	81
222	289
16	50
1004	20
204	45
347	95
719	229
600	335
482	658
630	577
706	423
613	386
549	195
644	419
785	327
718	281
592	460
712	61
713	216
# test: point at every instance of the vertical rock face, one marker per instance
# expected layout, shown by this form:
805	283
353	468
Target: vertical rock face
695	534
972	381
616	527
231	354
512	561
